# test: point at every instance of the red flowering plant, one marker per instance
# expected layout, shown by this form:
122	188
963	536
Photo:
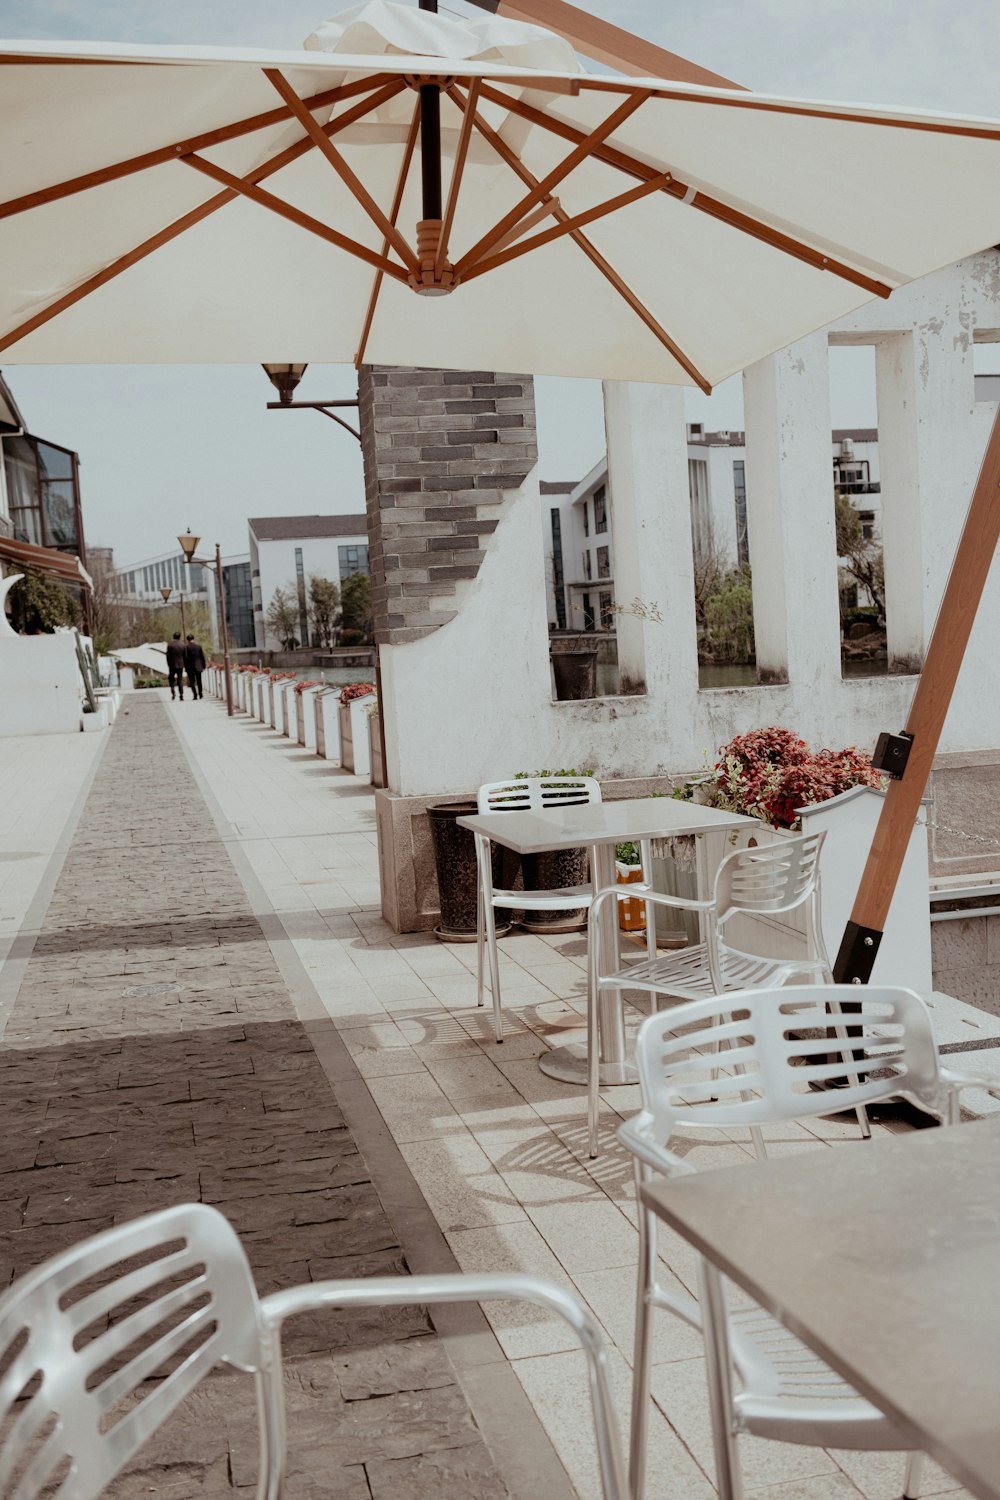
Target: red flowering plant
307	682
770	773
355	690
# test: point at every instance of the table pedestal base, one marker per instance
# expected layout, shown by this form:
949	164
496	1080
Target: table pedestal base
569	1065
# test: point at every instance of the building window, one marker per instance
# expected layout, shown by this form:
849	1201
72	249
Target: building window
586	519
604	562
588	565
867	518
352	559
600	509
740	493
701	526
589	622
558	582
607	611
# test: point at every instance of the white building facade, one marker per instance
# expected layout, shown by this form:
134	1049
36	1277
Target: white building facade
285	551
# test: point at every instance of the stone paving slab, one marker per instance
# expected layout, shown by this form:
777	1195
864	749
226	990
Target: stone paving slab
153	1057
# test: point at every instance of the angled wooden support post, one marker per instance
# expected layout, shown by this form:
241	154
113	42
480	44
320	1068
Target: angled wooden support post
925	721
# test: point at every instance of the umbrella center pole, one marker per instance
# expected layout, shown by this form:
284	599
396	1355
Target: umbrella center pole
436	277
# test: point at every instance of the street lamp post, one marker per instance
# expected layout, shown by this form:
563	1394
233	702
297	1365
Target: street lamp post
188	544
166	596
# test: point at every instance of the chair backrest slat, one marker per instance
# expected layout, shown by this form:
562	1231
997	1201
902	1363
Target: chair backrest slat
751	1057
77	1393
533	793
769	878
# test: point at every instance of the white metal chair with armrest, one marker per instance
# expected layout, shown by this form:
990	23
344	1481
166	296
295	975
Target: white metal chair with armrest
773	879
522	794
781	1042
72	1417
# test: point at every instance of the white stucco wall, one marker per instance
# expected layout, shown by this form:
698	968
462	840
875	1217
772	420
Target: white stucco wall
472	702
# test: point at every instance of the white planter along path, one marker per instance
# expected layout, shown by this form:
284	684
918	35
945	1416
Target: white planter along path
306	716
326	709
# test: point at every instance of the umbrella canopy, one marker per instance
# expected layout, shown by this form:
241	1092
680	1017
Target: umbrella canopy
199	204
152	656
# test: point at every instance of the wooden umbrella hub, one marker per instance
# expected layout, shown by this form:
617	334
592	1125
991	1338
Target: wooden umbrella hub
436	276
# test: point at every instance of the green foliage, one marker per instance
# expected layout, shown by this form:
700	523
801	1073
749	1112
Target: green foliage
862	557
324	601
627	854
282	618
728	617
38	604
356	606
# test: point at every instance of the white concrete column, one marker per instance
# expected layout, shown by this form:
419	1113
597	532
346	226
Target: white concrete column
790	515
901	521
651	523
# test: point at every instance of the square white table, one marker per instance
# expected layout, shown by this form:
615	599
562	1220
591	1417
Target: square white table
600	826
884	1258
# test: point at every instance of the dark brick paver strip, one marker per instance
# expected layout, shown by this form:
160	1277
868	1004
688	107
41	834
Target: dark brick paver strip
154	1057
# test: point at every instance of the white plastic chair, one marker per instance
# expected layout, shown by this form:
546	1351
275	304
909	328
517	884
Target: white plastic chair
72	1417
524	794
772	878
781	1042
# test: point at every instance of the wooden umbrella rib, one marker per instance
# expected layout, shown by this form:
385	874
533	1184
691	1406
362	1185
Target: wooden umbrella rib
294	215
457	171
108	273
585	147
567	226
313	128
700	202
171	231
598	260
404	172
200	142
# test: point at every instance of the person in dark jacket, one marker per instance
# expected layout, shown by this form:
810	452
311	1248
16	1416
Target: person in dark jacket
175	666
194	660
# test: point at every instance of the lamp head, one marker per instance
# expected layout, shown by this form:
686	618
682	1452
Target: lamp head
189	544
166	594
284	378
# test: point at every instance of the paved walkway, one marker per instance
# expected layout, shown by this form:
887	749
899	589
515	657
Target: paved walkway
154	1056
478	1158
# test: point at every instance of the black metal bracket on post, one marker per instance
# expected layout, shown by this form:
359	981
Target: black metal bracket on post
858	952
891	753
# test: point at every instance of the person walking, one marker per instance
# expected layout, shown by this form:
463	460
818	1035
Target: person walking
194	660
175	666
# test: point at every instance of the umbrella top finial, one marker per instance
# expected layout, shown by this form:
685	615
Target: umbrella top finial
381	27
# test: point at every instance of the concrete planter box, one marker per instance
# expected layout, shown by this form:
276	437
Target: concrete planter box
91	723
288	709
326	710
278	696
354	754
305	717
375	750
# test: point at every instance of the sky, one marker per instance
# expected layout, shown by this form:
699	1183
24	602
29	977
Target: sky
167	447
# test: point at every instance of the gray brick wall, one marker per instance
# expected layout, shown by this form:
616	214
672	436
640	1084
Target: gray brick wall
442	449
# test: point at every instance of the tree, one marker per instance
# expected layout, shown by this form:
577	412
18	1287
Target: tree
38	604
282	617
324	601
729	617
356	608
862	556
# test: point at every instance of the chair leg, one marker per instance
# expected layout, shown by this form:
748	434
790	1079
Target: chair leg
719	1369
642	1352
480	946
852	1078
489	918
593	1063
911	1481
271	1420
757	1140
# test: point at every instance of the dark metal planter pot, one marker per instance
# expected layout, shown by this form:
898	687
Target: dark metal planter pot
575	673
549	871
455	858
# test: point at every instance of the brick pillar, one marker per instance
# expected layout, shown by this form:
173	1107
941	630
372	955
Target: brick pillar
442	449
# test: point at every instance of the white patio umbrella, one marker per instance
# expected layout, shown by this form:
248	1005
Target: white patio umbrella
172	204
409	189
